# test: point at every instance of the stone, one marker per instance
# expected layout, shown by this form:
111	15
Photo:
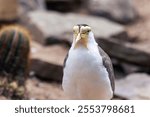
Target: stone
134	86
53	54
8	10
3	98
131	68
41	90
135	53
110	36
54	27
30	5
64	5
122	11
47	62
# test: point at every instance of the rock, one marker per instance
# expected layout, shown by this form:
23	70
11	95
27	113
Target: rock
47	29
30	5
110	36
44	91
134	86
53	54
3	98
135	53
8	10
64	5
47	71
136	29
131	68
57	5
122	11
47	62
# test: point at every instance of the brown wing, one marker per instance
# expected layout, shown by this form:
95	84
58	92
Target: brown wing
108	64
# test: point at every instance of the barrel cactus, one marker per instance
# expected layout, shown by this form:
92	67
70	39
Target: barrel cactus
14	61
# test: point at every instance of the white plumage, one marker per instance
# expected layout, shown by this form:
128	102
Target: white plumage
85	76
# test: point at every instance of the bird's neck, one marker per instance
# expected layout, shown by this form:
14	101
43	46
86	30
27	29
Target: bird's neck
91	39
81	43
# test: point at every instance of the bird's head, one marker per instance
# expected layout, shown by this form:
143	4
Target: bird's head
81	35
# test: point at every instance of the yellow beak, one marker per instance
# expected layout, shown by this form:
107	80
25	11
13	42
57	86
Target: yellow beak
78	37
83	41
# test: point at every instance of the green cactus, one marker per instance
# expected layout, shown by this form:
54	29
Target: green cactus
14	61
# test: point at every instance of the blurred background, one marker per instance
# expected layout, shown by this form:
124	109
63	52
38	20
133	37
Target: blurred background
121	28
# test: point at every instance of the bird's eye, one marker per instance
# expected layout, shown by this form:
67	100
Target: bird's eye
85	31
88	31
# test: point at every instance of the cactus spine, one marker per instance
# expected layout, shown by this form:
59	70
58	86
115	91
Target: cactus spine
14	61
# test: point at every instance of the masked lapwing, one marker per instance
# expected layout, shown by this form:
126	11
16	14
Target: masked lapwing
88	71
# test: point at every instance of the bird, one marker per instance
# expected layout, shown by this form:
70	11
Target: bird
87	71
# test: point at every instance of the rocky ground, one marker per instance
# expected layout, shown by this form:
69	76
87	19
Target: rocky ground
44	90
124	37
